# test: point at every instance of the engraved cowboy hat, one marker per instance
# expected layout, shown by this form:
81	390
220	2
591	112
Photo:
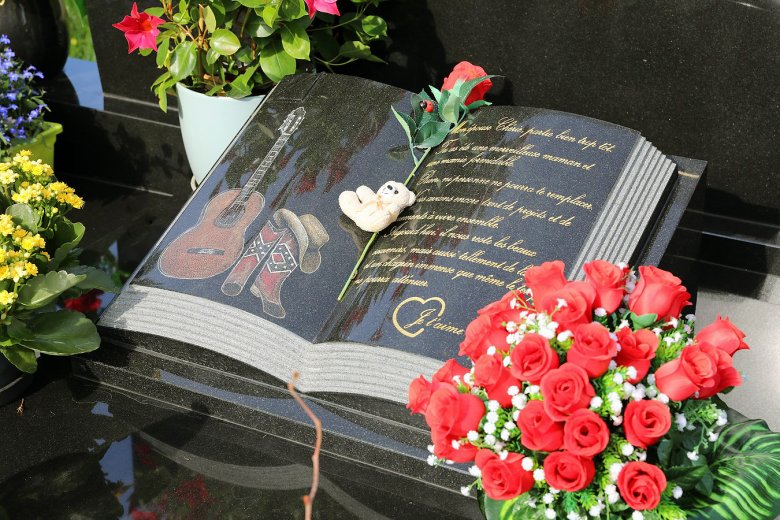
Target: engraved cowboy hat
310	235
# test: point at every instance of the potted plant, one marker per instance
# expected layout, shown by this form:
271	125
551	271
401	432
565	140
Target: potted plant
22	109
221	56
39	267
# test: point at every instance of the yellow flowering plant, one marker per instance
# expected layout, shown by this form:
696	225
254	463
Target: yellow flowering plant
39	265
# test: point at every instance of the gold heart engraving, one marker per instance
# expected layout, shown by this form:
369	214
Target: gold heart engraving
425	314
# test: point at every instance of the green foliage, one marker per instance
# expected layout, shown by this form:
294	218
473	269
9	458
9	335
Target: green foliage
241	47
745	468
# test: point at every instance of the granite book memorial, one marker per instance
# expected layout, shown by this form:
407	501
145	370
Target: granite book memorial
243	287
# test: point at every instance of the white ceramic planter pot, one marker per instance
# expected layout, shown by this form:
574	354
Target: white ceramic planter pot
209	124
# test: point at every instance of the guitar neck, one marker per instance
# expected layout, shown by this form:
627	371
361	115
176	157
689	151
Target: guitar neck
261	170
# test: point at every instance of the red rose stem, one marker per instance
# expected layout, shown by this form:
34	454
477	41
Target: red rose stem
308	500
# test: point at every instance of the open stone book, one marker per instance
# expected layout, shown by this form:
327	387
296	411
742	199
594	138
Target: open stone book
243	286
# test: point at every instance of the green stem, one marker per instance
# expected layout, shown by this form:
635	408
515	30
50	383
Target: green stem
357	17
371	241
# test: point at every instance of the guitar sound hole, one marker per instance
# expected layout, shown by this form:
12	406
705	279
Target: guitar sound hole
229	216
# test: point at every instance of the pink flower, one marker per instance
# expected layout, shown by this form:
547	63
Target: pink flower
140	30
322	6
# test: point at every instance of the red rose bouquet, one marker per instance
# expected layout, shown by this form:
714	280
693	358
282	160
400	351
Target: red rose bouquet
595	399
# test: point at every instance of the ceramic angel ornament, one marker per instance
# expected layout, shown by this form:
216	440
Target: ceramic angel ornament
375	211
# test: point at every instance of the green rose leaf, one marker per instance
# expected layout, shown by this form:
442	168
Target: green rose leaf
643	321
295	41
431	134
62	333
745	475
449	108
224	42
67	235
275	62
183	61
21	357
44	289
94	278
498	509
24	215
406	123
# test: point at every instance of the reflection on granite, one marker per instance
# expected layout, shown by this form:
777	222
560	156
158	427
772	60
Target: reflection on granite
81	452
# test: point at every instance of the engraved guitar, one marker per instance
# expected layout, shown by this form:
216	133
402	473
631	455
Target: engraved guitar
217	240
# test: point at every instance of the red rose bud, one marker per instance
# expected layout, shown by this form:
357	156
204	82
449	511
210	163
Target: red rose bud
593	349
465	71
567	471
419	395
140	30
637	349
566	390
658	292
609	282
545	279
578	307
645	422
484	332
449	371
724	335
532	358
503	479
641	484
700	368
538	431
585	434
491	374
453	414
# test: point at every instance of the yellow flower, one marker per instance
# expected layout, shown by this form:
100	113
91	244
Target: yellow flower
19	233
7	298
7	176
30	242
31	268
6	225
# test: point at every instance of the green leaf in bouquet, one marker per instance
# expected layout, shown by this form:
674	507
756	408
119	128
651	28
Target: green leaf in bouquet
515	509
67	236
745	466
257	27
275	62
374	26
431	134
295	41
292	9
183	61
462	90
477	104
225	42
45	288
62	333
95	278
449	108
21	357
643	321
155	11
687	477
355	49
271	13
23	215
406	123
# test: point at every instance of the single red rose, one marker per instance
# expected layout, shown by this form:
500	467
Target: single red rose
545	279
481	334
578	308
453	414
449	371
645	422
637	349
87	302
726	377
724	335
700	368
491	374
658	292
593	349
609	281
585	434
538	431
641	484
503	479
444	448
532	358
506	309
140	30
567	471
566	390
419	395
465	71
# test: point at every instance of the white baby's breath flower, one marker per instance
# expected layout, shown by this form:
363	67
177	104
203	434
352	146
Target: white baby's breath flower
474	471
712	436
547	333
511	326
519	401
465	491
509	425
600	312
548	498
531	503
614	471
493	405
468	378
503	454
491	350
628	388
651	392
513	390
516	415
527	463
612	365
455	444
657	331
617	420
722	418
623	324
561	303
490	440
612	498
637	515
663	398
550	514
627	449
693	455
491	417
539	474
430	448
642	455
673	322
489	428
573	516
563	336
690	317
677	492
472	436
596	402
631	372
532	389
610	489
681	421
595	511
507	361
431	460
505	435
